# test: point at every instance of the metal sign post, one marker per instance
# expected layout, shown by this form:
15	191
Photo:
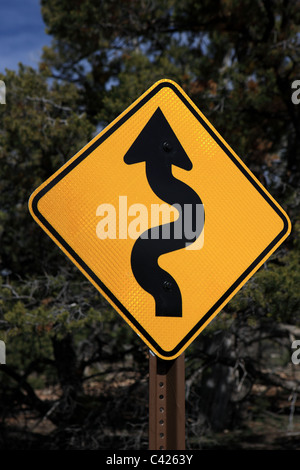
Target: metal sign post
166	403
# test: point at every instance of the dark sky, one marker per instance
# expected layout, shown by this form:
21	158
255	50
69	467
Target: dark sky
22	33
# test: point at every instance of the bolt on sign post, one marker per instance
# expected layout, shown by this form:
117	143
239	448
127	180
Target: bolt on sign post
163	218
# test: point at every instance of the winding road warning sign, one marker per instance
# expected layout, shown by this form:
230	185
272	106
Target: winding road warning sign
158	146
162	217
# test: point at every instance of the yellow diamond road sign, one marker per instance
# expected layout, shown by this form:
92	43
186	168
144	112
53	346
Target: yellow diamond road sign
162	217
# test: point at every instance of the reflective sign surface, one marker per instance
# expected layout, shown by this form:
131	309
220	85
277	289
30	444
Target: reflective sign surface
162	217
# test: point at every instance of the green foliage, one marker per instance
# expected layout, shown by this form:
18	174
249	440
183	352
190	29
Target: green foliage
42	127
138	73
273	291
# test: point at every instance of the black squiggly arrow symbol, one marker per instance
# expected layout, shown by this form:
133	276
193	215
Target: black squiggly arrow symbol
159	147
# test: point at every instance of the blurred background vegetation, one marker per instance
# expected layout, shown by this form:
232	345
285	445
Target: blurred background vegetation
76	375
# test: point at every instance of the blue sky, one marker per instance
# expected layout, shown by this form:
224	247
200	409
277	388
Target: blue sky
22	33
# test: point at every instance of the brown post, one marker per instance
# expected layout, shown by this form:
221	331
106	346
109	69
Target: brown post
166	403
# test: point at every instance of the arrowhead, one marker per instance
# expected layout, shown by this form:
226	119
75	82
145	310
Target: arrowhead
158	144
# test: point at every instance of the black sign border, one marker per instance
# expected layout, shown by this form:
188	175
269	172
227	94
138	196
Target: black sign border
37	197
